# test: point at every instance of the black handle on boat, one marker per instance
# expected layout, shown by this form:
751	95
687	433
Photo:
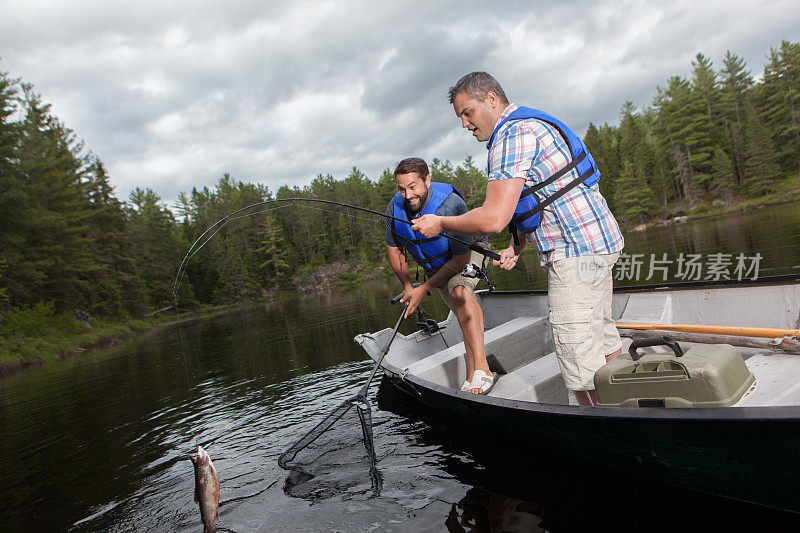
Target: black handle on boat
397	298
654	341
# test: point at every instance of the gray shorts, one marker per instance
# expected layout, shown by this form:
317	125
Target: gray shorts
459	280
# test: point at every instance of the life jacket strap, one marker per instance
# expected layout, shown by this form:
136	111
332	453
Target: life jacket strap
572	164
553	197
419	241
429	259
512	229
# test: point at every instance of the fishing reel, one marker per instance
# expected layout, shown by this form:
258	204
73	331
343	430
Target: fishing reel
427	324
471	270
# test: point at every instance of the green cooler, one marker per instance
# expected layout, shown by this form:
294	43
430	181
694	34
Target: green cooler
712	375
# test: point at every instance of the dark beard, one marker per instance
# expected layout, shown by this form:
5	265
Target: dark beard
422	202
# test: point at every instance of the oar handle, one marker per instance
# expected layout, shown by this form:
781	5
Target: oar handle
741	331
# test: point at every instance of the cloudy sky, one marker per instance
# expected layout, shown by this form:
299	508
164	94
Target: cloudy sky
172	94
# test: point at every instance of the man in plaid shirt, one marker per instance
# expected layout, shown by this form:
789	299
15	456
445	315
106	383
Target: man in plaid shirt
578	238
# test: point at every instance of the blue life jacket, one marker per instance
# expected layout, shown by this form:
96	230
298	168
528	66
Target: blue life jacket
527	214
429	252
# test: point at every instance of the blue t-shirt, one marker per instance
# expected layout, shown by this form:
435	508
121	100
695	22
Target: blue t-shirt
452	206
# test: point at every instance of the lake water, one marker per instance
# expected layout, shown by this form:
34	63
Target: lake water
100	441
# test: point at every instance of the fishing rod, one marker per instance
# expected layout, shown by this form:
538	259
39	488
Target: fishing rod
219	224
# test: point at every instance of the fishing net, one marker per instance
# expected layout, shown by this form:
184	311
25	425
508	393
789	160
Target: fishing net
333	464
364	410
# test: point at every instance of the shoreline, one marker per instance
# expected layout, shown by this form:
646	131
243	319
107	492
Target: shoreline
706	210
62	344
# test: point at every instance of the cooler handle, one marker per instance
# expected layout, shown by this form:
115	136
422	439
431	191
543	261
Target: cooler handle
654	341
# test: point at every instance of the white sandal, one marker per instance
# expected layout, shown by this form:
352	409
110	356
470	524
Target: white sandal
465	387
483	381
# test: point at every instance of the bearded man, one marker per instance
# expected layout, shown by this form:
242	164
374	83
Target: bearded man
441	258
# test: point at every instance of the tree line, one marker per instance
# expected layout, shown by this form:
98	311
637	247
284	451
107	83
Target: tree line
68	243
718	137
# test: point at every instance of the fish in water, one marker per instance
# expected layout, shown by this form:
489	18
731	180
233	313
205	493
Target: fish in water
206	489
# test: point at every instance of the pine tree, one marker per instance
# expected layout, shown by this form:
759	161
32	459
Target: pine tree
273	251
762	171
13	197
632	200
704	83
661	179
723	178
386	188
470	182
636	147
736	82
442	171
603	144
780	102
672	126
700	112
115	287
154	244
56	263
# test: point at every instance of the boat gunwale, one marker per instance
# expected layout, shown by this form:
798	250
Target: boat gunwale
782	279
776	413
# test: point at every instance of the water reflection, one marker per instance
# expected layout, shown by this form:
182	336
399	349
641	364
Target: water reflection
481	511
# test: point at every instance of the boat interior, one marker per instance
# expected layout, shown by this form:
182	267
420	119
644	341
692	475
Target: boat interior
519	342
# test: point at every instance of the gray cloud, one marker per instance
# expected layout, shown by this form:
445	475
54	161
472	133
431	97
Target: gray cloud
172	95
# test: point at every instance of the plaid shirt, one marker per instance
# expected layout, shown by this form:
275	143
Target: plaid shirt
578	223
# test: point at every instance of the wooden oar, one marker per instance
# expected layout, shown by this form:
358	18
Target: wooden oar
786	344
738	331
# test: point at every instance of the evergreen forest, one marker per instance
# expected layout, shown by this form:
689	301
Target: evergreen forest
721	137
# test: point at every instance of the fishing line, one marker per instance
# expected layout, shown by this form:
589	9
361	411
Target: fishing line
183	356
217	226
224	220
264	211
374	221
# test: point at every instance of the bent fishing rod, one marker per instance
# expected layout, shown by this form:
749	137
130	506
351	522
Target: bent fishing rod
219	224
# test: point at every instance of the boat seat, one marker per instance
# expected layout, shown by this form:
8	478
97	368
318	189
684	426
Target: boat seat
538	381
508	346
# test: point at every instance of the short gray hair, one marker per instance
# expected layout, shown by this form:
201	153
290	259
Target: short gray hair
476	85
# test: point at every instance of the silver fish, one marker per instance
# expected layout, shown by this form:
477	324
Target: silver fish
206	489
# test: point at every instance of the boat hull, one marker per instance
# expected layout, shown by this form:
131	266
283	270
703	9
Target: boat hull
749	458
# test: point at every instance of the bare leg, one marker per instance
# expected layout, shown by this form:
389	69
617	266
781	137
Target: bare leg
590	397
470	359
470	318
611	356
587	398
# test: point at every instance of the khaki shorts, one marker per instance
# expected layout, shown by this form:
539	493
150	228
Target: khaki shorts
579	296
458	279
